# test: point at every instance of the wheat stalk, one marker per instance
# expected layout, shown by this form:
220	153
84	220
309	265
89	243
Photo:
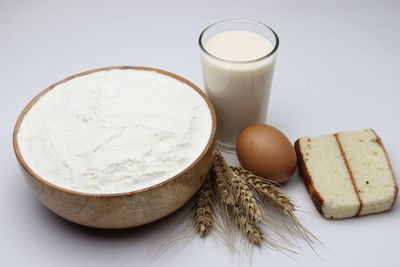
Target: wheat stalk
241	200
203	217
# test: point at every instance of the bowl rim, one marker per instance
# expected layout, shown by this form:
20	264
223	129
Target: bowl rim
27	108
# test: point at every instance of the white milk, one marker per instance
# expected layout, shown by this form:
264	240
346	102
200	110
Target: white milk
237	83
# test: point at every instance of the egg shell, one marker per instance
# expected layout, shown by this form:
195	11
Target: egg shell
266	152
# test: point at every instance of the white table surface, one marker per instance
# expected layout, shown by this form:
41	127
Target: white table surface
338	69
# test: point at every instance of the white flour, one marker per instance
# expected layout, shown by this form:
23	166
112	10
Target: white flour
115	131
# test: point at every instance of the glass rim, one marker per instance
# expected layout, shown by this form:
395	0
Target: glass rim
246	61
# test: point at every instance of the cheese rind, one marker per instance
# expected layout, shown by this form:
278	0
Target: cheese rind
347	174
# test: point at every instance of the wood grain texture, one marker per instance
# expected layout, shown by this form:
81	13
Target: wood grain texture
121	210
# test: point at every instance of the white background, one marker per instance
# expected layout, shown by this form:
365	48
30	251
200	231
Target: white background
338	69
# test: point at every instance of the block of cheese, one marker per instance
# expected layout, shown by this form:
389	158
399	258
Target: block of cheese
347	174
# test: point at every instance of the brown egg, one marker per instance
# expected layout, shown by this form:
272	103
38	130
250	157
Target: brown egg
266	152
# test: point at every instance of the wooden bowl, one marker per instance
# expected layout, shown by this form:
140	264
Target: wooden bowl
120	210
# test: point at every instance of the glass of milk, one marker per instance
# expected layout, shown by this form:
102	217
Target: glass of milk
238	58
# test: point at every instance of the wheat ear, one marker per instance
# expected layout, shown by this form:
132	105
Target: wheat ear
222	177
239	203
273	194
249	228
278	200
203	217
245	198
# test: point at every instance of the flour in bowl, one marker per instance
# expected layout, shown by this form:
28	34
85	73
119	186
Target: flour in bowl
115	131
